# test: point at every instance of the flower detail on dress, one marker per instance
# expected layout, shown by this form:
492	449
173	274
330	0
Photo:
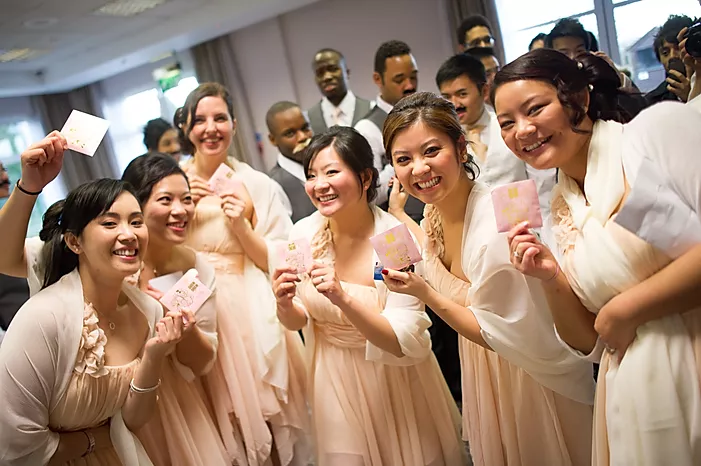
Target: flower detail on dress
563	225
91	353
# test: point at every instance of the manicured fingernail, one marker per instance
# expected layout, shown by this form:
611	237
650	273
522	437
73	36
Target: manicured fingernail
384	272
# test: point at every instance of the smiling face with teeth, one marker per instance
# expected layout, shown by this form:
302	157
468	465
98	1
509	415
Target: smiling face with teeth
331	184
168	210
428	163
537	127
114	243
211	129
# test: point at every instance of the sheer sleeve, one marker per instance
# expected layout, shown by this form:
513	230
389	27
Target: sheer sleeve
35	268
410	323
28	381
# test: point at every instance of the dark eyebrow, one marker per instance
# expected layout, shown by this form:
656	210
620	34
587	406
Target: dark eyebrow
423	146
525	104
115	215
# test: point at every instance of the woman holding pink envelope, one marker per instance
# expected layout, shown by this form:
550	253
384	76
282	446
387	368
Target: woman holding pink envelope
616	298
376	392
526	399
257	383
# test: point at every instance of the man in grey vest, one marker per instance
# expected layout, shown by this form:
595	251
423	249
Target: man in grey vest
13	291
290	133
339	106
396	76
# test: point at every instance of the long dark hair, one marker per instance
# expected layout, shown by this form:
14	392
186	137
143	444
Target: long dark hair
352	148
187	112
571	78
82	205
145	171
435	112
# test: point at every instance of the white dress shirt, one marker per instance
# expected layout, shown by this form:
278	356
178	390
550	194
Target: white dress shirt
373	134
293	168
345	109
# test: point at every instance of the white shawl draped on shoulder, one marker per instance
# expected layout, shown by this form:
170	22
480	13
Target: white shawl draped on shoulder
37	359
273	225
404	313
652	399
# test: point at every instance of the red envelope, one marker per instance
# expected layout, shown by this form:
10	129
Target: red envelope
515	203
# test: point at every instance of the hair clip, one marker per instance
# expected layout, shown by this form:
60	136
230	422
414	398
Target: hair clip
580	65
591	87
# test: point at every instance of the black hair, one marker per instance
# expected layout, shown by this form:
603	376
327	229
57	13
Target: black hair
589	73
593	43
276	108
153	131
145	171
469	23
669	30
392	48
82	205
352	148
540	36
568	27
187	112
462	65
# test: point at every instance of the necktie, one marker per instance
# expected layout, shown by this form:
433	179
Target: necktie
474	138
337	112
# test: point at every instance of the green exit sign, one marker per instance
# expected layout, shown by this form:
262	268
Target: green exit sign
168	77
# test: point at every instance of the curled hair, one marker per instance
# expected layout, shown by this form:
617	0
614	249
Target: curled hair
154	131
145	171
352	148
185	115
571	79
435	112
82	205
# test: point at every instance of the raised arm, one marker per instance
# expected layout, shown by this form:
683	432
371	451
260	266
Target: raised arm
41	163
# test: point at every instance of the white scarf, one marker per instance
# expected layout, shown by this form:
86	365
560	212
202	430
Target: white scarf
652	399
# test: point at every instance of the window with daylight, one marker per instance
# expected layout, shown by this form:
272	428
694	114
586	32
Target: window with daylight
625	29
15	137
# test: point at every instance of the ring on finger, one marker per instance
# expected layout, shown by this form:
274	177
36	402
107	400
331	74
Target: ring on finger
517	255
610	350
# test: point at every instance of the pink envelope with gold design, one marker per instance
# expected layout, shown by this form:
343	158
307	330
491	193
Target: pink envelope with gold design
224	180
188	293
296	254
515	203
396	248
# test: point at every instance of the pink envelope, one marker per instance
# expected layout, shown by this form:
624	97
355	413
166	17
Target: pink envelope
224	180
396	248
188	293
84	132
515	203
297	254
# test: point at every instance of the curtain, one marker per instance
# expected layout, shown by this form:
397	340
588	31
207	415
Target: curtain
458	10
54	110
215	62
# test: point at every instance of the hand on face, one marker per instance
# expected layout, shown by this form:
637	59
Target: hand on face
529	255
42	162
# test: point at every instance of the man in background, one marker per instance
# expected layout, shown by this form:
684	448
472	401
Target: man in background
491	67
538	42
676	86
475	31
338	106
13	291
290	132
396	76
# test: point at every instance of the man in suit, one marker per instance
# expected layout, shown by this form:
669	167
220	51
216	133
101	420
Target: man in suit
396	76
13	291
290	132
338	106
475	31
676	86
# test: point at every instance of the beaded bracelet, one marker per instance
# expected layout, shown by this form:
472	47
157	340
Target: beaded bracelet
136	389
91	443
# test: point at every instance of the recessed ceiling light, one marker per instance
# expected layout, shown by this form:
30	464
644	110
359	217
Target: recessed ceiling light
127	7
19	54
39	23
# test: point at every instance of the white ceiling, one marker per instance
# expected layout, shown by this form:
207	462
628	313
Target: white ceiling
84	48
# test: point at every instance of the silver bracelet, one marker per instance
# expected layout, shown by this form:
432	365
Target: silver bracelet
91	443
136	389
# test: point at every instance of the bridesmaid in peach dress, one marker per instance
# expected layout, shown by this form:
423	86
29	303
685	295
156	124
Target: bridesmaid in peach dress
631	302
257	383
377	393
81	361
526	399
183	431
